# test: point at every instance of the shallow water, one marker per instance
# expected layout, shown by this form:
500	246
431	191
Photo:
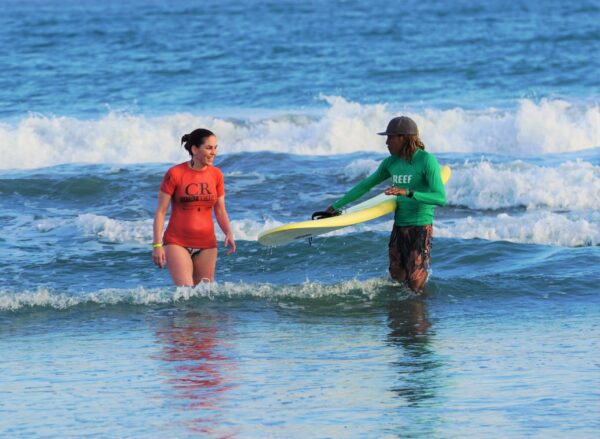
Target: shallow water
301	340
447	366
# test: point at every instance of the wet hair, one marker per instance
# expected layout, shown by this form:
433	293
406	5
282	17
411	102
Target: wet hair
412	142
196	137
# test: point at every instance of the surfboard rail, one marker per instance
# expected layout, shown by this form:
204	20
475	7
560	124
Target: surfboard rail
305	229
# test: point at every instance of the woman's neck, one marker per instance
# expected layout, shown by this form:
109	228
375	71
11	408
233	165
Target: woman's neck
196	165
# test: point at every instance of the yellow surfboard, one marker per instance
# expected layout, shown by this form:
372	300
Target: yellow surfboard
373	208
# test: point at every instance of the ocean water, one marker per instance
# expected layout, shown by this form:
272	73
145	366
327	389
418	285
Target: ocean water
300	340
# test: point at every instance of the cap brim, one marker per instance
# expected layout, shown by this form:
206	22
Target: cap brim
385	133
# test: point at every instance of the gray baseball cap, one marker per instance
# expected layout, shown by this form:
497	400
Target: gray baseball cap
401	125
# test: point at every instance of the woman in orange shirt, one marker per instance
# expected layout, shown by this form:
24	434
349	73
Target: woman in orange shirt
194	189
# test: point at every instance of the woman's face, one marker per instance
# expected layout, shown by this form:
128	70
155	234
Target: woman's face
205	154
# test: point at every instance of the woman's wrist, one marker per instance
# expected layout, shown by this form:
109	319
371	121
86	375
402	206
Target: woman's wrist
157	245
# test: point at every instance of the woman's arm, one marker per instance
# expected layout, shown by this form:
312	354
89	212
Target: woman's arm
223	220
158	253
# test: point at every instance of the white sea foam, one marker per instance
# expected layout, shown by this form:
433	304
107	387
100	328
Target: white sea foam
140	231
483	185
545	228
548	126
538	227
360	168
541	227
47	298
119	231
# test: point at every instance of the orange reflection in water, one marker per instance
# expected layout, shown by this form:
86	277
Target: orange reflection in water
198	368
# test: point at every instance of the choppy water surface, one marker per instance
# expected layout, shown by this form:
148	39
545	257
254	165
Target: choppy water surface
299	340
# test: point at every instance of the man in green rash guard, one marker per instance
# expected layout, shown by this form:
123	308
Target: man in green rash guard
417	183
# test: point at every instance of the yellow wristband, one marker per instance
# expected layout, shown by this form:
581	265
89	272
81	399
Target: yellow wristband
159	245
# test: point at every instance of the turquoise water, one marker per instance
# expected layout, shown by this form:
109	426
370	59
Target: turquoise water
378	366
153	57
301	340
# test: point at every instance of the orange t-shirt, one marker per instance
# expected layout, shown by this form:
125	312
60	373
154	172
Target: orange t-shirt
193	196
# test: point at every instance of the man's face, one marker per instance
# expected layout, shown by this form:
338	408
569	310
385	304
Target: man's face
395	143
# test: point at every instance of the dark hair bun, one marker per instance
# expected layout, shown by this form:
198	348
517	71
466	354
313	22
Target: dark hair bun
196	137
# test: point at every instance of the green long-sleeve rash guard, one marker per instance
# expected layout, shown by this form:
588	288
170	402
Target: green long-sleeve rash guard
422	176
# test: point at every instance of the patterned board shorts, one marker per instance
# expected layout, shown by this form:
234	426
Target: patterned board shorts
409	250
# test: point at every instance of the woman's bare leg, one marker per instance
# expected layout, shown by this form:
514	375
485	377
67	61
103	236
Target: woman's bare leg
204	265
180	265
